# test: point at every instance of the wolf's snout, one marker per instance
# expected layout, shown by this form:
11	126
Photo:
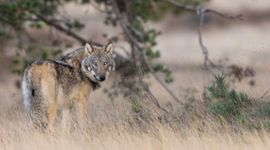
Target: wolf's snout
101	78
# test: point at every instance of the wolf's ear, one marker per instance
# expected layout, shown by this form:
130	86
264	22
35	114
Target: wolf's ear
109	48
88	49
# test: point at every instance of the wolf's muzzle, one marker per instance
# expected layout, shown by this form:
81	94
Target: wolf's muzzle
100	78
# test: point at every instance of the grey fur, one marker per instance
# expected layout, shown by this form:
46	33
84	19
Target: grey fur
48	85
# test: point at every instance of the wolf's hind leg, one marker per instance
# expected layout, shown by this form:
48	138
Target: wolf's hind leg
49	91
38	117
51	115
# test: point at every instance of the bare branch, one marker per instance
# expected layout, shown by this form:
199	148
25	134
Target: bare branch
201	13
170	92
204	49
239	16
183	6
195	9
264	94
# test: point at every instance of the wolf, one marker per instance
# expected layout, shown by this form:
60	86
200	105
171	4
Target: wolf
65	83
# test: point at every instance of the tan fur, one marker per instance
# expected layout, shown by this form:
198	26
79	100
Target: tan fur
50	85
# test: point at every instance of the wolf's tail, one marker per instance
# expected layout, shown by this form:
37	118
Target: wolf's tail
31	98
26	90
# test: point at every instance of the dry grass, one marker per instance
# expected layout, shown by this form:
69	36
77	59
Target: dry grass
105	132
16	133
19	135
240	43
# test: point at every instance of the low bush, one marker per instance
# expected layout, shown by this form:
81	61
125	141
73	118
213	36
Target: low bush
225	102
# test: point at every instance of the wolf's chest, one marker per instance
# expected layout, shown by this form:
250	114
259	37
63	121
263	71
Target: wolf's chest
67	96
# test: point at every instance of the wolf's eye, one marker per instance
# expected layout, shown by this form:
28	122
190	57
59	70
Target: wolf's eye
95	63
105	63
89	68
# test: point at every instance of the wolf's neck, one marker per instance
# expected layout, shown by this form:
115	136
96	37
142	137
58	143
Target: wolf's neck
74	58
95	85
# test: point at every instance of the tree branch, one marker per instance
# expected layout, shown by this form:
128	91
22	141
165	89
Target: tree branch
69	32
200	11
63	29
136	47
264	94
127	29
195	9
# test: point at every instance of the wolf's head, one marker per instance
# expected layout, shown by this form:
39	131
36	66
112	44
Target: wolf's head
98	63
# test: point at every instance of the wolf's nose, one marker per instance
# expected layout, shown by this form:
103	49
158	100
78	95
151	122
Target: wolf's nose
102	78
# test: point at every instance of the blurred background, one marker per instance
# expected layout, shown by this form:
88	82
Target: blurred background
164	93
32	30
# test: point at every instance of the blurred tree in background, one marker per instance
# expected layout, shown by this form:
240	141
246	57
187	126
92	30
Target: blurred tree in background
130	15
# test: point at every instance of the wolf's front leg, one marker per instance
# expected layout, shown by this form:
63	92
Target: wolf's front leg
66	121
81	111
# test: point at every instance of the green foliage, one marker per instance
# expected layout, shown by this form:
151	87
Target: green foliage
156	9
147	37
74	24
20	62
142	11
224	102
167	72
136	106
236	107
15	13
138	13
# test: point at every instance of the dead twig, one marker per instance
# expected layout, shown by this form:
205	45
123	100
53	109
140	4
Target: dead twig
264	94
195	9
160	81
200	11
204	49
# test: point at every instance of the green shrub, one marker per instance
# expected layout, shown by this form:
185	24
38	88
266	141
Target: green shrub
136	106
226	102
